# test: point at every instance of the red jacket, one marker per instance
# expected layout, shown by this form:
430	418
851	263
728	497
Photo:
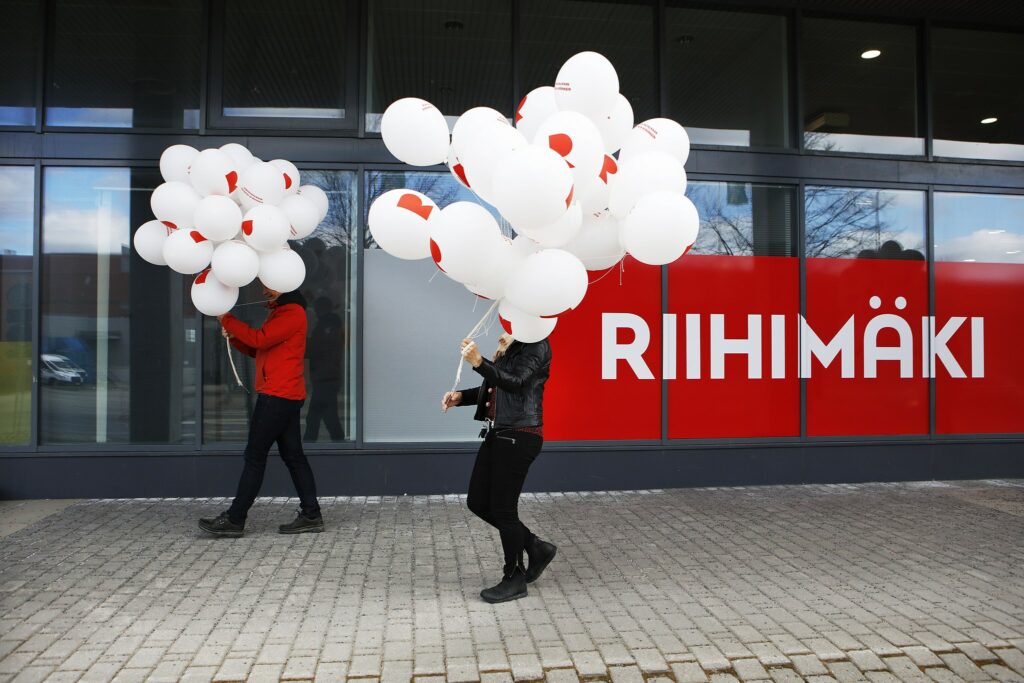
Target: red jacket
279	347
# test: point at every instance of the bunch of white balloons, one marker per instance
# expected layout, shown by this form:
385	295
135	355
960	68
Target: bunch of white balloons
227	215
554	176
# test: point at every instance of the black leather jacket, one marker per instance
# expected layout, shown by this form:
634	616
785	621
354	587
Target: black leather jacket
519	376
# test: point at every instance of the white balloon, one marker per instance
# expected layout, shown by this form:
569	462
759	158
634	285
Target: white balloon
562	231
235	263
175	202
534	109
265	228
211	296
187	251
642	174
593	196
241	156
213	172
460	237
149	242
523	326
576	139
487	150
217	218
261	183
318	197
400	222
597	243
523	246
547	283
616	126
587	83
502	258
532	187
282	270
415	132
291	175
175	162
468	125
660	228
303	215
456	168
664	135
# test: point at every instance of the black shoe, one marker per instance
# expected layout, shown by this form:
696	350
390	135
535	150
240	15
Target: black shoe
512	587
303	525
221	526
540	553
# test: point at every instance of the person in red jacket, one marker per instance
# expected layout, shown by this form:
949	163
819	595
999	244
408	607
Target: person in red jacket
279	347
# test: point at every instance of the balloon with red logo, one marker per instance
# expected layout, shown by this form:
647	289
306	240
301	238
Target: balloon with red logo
616	126
547	283
534	109
303	215
642	174
532	187
593	195
290	175
660	228
664	135
456	168
523	326
318	197
400	221
239	154
261	183
587	83
175	202
218	218
186	251
282	270
415	132
493	142
213	172
149	242
463	233
576	139
465	130
212	297
235	263
597	244
175	162
265	228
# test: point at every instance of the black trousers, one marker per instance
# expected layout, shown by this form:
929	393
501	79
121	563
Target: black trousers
498	475
323	407
274	419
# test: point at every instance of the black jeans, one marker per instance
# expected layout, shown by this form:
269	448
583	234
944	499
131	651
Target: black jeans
498	475
274	419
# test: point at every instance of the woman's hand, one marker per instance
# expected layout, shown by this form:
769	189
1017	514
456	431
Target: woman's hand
451	400
471	353
227	335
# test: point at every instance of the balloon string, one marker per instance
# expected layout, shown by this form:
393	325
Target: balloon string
238	379
253	303
473	334
620	266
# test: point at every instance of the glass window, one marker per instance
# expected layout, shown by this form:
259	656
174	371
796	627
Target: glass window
125	65
288	61
16	249
867	292
856	222
554	30
414	319
743	219
117	360
978	94
456	54
979	286
727	76
860	87
329	289
19	36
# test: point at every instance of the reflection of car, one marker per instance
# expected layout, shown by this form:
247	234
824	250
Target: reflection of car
56	369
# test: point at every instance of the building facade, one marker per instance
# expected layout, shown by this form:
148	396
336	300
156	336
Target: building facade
849	312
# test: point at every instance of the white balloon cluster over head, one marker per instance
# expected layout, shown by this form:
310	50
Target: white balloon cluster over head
555	178
227	215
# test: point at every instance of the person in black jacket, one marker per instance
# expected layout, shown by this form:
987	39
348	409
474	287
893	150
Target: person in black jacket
510	401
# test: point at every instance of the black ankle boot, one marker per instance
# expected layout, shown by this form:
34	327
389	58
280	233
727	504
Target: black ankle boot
512	587
303	525
221	526
540	553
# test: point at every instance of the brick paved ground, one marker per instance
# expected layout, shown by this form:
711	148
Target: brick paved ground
869	582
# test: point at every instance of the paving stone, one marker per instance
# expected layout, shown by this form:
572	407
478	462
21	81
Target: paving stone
749	669
866	660
526	667
626	674
978	653
845	672
565	676
809	665
589	664
962	666
689	672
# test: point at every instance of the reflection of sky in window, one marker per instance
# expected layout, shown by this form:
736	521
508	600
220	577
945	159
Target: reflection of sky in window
86	210
979	227
842	221
17	116
91	117
16	199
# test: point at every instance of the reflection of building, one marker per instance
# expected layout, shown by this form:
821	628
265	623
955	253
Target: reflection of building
838	187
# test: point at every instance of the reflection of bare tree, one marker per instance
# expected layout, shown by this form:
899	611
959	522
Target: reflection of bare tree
819	142
843	221
440	187
338	228
722	231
